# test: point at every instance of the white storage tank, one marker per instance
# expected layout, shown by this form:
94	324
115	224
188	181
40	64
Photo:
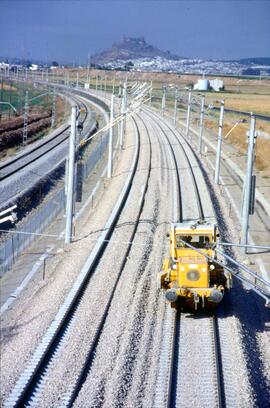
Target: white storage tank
202	85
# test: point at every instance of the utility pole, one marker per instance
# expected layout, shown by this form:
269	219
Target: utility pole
100	84
123	108
163	102
53	108
126	104
175	106
201	124
9	97
88	68
110	154
188	113
96	84
113	85
2	87
151	93
77	82
248	183
219	144
89	81
70	187
25	119
105	88
120	89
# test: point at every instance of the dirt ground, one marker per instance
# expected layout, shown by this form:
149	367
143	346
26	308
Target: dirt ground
238	138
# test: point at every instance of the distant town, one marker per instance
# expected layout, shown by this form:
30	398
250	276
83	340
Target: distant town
135	54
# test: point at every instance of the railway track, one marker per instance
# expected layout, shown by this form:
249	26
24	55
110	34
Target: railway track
191	373
197	379
30	392
29	384
188	354
122	371
34	167
21	161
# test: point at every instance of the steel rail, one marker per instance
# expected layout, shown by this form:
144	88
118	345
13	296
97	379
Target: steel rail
165	374
165	380
179	198
28	381
71	396
24	154
206	361
35	149
218	363
193	178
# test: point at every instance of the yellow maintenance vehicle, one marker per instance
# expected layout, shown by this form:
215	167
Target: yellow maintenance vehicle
191	275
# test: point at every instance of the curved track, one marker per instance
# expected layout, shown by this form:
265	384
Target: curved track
137	347
9	168
29	383
45	161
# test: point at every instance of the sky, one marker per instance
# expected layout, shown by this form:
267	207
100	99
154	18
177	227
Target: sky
68	30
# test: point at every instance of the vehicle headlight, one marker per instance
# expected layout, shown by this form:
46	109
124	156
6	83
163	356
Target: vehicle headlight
193	275
212	267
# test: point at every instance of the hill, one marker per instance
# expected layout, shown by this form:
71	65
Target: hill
131	48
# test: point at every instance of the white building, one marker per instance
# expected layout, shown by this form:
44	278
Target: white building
217	84
4	66
204	84
33	67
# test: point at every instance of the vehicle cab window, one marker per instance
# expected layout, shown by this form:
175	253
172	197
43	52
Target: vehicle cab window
197	241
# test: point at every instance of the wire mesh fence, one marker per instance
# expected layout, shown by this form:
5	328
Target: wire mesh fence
17	241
